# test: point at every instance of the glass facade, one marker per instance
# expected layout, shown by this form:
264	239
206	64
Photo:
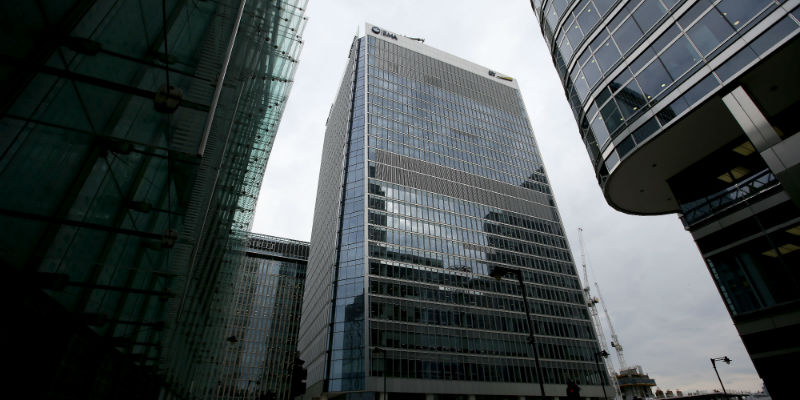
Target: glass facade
264	320
430	179
690	107
134	137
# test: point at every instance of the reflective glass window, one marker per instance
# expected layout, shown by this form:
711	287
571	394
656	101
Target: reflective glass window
607	55
620	80
579	83
630	99
653	79
592	72
648	14
588	17
599	131
602	6
643	59
644	131
738	12
735	63
627	34
602	96
665	38
599	39
679	57
772	36
611	116
689	16
566	49
573	30
710	31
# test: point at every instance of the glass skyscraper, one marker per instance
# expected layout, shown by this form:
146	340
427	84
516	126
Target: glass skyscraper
262	322
691	107
133	139
430	179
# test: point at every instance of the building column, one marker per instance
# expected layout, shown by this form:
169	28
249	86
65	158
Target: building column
781	156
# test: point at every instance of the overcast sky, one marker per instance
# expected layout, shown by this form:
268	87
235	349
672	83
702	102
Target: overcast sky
665	308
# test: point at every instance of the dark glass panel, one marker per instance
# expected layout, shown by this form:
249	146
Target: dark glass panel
611	116
599	131
630	99
688	17
573	30
773	35
648	14
588	17
735	63
592	72
620	80
643	59
679	57
653	79
738	12
710	31
603	6
665	38
607	55
644	131
627	34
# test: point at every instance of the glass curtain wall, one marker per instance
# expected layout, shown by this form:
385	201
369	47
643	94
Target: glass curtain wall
125	162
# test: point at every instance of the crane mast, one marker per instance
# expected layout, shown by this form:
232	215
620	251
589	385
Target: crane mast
614	340
591	302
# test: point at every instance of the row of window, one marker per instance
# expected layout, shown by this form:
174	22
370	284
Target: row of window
444	132
466	281
404	364
470	297
437	315
413	337
697	36
448	82
437	109
417	203
451	226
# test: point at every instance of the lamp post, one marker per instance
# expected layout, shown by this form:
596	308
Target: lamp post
597	355
498	273
382	352
714	364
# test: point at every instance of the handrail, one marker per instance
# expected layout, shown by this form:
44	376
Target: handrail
728	197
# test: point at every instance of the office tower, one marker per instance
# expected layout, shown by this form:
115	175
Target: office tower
134	137
430	180
690	107
263	321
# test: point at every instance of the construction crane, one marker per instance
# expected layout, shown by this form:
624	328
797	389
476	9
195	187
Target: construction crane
591	302
614	340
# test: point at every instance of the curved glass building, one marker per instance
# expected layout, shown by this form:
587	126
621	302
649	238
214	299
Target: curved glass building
690	107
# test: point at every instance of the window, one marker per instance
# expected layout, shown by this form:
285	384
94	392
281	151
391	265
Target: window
653	79
710	31
606	55
738	12
627	34
649	13
679	57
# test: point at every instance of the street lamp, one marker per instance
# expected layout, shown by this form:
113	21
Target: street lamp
498	273
714	364
382	352
597	355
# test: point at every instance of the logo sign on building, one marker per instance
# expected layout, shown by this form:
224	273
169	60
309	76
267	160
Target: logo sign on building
503	77
379	31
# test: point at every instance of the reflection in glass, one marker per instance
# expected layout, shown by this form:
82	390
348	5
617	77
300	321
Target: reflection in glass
653	79
679	57
710	31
